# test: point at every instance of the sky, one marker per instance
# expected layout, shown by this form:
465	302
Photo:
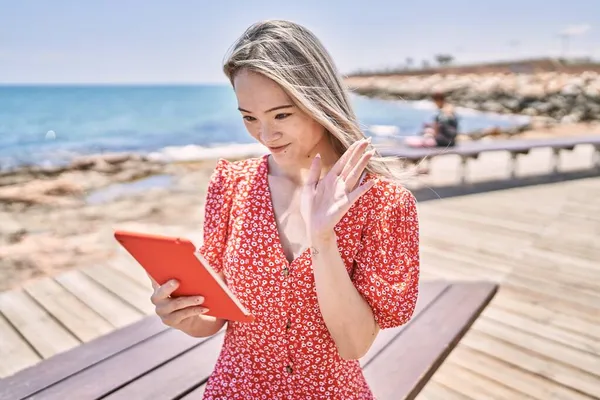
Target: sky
185	41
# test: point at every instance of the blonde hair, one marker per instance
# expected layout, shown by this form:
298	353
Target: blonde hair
294	58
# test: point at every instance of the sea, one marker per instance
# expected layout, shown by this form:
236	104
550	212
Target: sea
48	125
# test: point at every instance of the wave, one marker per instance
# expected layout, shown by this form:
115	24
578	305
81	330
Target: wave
198	153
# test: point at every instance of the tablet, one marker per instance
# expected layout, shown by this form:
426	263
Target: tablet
165	258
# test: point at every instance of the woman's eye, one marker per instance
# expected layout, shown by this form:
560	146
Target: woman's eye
249	118
282	116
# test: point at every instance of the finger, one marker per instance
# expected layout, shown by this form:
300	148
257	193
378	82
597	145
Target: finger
155	284
338	167
164	291
179	303
354	175
357	155
359	191
177	317
315	171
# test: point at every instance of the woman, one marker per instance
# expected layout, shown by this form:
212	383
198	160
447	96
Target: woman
443	131
314	238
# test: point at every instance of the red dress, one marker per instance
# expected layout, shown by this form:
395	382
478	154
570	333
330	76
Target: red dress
288	353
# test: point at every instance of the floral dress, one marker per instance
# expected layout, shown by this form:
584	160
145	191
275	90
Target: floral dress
287	352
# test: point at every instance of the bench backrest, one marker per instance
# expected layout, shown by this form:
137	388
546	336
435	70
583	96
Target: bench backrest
480	146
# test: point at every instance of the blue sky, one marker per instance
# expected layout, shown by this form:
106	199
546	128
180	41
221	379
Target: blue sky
134	41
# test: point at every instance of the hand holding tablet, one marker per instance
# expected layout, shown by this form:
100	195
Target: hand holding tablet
200	290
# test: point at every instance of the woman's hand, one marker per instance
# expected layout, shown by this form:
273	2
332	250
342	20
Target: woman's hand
324	202
179	312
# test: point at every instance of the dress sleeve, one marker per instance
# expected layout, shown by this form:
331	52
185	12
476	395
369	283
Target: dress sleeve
387	265
219	197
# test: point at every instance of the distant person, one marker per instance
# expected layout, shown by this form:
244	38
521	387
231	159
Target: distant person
444	129
317	238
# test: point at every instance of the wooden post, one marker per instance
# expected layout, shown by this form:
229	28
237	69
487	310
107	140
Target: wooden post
555	159
463	169
513	165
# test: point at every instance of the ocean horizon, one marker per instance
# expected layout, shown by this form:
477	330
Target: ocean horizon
51	124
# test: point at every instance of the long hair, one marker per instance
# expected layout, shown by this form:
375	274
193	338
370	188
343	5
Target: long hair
294	58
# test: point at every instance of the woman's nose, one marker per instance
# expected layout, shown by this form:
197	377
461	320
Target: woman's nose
268	134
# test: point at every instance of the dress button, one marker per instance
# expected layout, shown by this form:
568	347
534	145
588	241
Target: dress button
286	271
289	369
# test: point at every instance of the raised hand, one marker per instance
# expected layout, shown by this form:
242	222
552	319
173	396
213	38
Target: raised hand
324	202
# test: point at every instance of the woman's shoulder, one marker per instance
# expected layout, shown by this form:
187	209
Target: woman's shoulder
388	196
234	170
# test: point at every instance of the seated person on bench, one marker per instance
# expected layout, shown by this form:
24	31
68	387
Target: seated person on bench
442	132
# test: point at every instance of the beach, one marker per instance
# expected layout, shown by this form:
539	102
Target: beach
55	221
61	215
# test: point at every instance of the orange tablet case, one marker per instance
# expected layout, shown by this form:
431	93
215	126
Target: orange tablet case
166	258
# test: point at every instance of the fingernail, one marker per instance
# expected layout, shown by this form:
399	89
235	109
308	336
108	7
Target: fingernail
318	155
173	282
200	299
369	139
202	311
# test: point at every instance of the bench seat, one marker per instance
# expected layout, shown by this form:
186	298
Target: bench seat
147	360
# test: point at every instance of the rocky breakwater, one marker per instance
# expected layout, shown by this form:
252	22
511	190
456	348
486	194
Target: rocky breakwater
552	97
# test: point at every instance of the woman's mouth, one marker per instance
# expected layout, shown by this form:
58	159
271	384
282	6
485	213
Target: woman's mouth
278	149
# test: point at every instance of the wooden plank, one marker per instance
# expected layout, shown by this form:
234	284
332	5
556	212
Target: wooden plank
559	304
568	261
437	391
428	294
545	366
76	316
31	380
114	372
431	337
545	330
111	307
178	377
535	344
15	352
31	320
130	268
473	384
529	383
537	312
195	394
126	289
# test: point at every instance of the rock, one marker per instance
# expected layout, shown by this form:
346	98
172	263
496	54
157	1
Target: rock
10	230
542	108
493	106
530	111
551	94
571	118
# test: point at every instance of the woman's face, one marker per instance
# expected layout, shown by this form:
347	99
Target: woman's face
274	120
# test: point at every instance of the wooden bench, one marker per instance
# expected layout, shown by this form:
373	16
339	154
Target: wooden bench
516	147
147	360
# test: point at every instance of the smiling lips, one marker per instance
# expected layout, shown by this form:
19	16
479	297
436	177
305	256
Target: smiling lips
278	149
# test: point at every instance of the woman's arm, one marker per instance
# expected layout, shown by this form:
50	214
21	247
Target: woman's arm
204	326
347	314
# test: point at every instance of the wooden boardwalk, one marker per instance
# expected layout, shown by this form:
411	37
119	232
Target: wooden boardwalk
539	338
